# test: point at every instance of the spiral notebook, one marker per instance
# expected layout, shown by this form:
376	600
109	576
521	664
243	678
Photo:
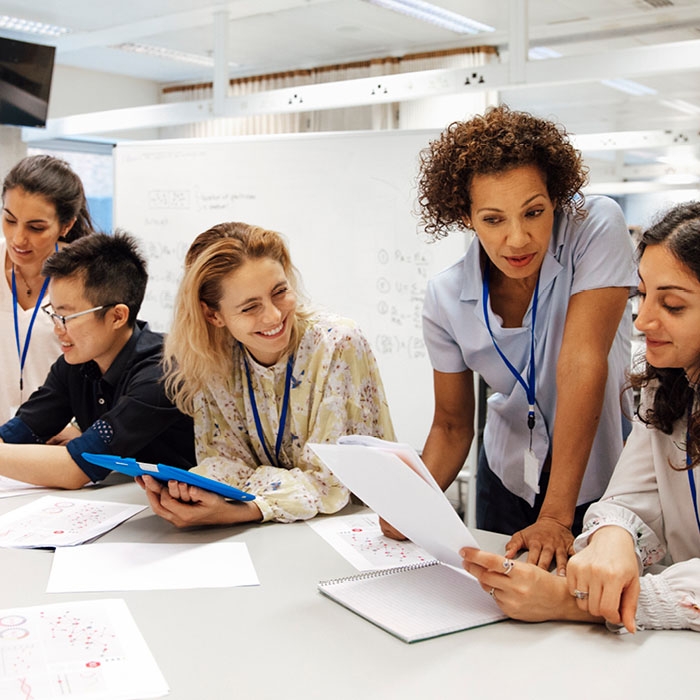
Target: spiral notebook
416	602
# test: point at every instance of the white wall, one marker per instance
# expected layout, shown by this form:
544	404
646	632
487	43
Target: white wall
77	91
643	209
12	148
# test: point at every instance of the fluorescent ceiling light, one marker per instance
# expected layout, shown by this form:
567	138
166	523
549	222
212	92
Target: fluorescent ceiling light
629	86
16	24
537	53
428	12
681	106
169	54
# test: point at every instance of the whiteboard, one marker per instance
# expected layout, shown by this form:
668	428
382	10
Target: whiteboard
346	204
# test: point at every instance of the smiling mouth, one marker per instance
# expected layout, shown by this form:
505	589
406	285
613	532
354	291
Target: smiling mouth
273	332
19	251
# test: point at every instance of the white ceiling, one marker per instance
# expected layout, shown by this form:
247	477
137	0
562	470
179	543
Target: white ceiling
272	35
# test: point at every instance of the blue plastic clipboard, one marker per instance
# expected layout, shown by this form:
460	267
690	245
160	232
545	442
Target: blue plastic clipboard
162	472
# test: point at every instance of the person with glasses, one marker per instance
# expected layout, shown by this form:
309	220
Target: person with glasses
43	206
108	377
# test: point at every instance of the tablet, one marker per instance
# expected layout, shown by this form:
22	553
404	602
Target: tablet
162	472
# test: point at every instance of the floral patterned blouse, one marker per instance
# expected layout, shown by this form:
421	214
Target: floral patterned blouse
335	390
653	502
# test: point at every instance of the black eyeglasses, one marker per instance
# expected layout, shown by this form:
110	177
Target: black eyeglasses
60	321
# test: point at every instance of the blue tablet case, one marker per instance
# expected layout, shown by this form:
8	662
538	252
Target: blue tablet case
162	472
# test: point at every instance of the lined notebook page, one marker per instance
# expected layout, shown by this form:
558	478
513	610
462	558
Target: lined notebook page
416	602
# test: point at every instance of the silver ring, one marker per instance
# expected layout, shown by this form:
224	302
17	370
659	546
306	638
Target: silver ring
508	564
491	592
581	595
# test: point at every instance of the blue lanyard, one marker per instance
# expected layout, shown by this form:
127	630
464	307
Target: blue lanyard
22	354
283	415
688	463
530	386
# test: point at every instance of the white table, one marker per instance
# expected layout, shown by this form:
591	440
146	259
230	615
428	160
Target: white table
283	639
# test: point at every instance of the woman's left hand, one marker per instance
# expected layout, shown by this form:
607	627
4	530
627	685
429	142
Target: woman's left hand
522	591
545	539
188	506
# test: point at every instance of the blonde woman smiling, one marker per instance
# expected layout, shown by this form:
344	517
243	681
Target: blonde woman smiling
262	376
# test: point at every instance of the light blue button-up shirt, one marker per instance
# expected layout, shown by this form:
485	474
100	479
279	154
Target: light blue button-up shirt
592	253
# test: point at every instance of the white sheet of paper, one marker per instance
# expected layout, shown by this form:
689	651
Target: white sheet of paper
53	521
137	566
400	449
11	487
404	499
85	650
359	539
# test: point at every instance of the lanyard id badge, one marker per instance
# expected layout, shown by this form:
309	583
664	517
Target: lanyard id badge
22	352
283	415
531	465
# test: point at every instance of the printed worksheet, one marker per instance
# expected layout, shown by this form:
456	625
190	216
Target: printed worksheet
359	539
52	521
89	650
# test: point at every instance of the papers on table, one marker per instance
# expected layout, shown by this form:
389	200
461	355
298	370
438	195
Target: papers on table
90	650
52	521
359	539
10	487
398	493
138	566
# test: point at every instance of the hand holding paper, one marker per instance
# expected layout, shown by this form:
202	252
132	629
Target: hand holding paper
413	504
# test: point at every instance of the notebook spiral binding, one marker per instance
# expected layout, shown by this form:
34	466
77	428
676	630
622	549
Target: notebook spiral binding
377	573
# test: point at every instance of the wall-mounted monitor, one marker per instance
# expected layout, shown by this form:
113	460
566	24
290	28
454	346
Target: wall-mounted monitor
25	82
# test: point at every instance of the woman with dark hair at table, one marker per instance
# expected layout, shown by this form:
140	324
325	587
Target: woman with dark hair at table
538	307
43	205
649	514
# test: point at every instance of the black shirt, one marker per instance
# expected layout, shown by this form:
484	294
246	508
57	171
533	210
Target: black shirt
124	412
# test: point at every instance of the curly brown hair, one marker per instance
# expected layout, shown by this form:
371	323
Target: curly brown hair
494	142
679	231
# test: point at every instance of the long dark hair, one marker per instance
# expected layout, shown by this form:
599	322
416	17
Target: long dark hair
55	180
679	231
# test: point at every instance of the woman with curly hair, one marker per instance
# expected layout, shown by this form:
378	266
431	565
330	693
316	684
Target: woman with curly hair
649	513
262	375
539	308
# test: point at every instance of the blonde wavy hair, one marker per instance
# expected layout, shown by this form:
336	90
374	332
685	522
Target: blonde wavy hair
196	351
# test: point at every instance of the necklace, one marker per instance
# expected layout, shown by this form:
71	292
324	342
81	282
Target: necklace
29	289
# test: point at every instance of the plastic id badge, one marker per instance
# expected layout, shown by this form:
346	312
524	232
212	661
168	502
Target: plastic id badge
162	472
532	470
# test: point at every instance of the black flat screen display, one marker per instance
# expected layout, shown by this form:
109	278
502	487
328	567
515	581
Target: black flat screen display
25	82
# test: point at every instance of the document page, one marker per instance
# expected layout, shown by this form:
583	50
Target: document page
359	539
89	650
52	521
400	496
138	566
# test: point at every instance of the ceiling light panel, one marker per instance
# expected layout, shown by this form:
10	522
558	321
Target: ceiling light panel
168	54
427	12
27	26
